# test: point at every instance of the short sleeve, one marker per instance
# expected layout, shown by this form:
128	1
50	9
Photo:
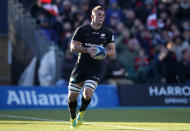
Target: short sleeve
77	35
110	37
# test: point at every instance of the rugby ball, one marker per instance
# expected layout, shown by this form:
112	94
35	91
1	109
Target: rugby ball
99	53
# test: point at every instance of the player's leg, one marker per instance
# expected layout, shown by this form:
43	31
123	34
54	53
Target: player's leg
75	85
89	88
74	90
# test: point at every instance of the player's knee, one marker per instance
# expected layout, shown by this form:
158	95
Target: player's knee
72	97
87	94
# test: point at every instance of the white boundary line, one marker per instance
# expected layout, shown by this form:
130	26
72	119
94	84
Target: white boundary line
29	118
41	119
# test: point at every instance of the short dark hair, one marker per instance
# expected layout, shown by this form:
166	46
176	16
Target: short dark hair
97	8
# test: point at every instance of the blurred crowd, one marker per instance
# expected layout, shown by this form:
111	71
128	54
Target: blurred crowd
152	37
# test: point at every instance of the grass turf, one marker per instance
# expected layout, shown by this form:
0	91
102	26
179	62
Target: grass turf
173	119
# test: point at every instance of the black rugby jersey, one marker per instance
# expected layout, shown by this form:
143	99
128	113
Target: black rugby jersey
88	37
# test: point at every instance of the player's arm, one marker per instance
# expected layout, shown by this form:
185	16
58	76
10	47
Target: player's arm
110	47
76	43
76	47
110	50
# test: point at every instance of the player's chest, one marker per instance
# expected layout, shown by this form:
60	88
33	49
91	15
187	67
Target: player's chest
95	37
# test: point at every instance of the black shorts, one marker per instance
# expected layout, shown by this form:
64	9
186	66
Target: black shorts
82	73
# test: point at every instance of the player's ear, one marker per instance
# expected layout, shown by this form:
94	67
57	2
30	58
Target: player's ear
92	16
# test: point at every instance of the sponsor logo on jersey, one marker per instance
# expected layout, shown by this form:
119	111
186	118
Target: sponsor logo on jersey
95	33
91	44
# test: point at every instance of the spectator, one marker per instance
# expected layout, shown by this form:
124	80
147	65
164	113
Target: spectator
141	66
128	19
78	18
119	27
184	67
141	60
127	54
129	3
47	29
145	39
186	35
123	39
180	46
173	9
66	11
137	26
167	64
182	13
115	72
143	11
37	9
113	12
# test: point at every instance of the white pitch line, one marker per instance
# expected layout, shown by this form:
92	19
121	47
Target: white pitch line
41	119
127	127
26	117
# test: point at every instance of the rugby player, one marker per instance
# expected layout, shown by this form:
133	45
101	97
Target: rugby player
87	70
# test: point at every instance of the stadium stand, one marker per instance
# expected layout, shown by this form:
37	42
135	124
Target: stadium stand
4	66
144	31
146	87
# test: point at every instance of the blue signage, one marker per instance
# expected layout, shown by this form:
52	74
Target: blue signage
154	95
52	97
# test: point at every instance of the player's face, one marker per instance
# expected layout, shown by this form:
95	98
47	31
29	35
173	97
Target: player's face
98	17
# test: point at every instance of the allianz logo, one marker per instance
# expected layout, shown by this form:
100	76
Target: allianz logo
32	98
91	44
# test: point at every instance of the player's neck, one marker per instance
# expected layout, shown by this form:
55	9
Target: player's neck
95	26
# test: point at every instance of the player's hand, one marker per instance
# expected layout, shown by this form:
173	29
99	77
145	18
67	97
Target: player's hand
91	50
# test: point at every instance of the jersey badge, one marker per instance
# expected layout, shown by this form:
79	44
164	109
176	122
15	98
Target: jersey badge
87	34
102	36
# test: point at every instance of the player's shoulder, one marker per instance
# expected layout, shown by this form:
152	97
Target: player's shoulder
107	30
83	27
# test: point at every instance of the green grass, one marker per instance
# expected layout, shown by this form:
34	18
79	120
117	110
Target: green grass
173	119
